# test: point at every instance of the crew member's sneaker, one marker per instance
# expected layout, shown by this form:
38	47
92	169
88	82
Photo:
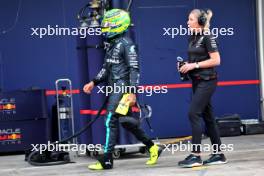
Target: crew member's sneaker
154	153
216	159
191	161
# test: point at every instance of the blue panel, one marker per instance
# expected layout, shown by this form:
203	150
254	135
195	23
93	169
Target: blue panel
158	62
158	54
238	52
243	100
28	60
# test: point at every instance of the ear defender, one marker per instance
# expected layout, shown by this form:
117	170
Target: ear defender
202	18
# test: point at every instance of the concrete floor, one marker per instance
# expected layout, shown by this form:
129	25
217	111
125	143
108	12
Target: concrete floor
247	159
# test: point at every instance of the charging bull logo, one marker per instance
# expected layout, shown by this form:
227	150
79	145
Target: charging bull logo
8	106
10	136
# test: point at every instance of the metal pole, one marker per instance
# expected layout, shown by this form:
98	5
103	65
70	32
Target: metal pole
58	108
71	107
259	15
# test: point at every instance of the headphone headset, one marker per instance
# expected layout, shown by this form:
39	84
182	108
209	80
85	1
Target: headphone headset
202	19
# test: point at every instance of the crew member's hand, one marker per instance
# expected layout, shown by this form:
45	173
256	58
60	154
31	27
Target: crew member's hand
87	88
187	67
132	99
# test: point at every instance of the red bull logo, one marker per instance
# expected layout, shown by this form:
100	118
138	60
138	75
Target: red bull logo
8	105
10	135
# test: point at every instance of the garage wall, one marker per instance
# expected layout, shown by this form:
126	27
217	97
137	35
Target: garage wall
29	61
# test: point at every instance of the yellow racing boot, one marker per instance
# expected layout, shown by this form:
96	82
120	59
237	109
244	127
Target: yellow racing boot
96	166
154	153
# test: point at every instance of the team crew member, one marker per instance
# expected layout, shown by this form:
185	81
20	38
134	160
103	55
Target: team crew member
121	68
203	57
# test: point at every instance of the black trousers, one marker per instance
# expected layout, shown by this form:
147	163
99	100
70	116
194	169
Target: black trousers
201	108
128	122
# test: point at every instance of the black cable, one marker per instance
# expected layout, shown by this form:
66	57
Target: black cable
67	160
88	125
16	19
129	5
37	154
81	11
